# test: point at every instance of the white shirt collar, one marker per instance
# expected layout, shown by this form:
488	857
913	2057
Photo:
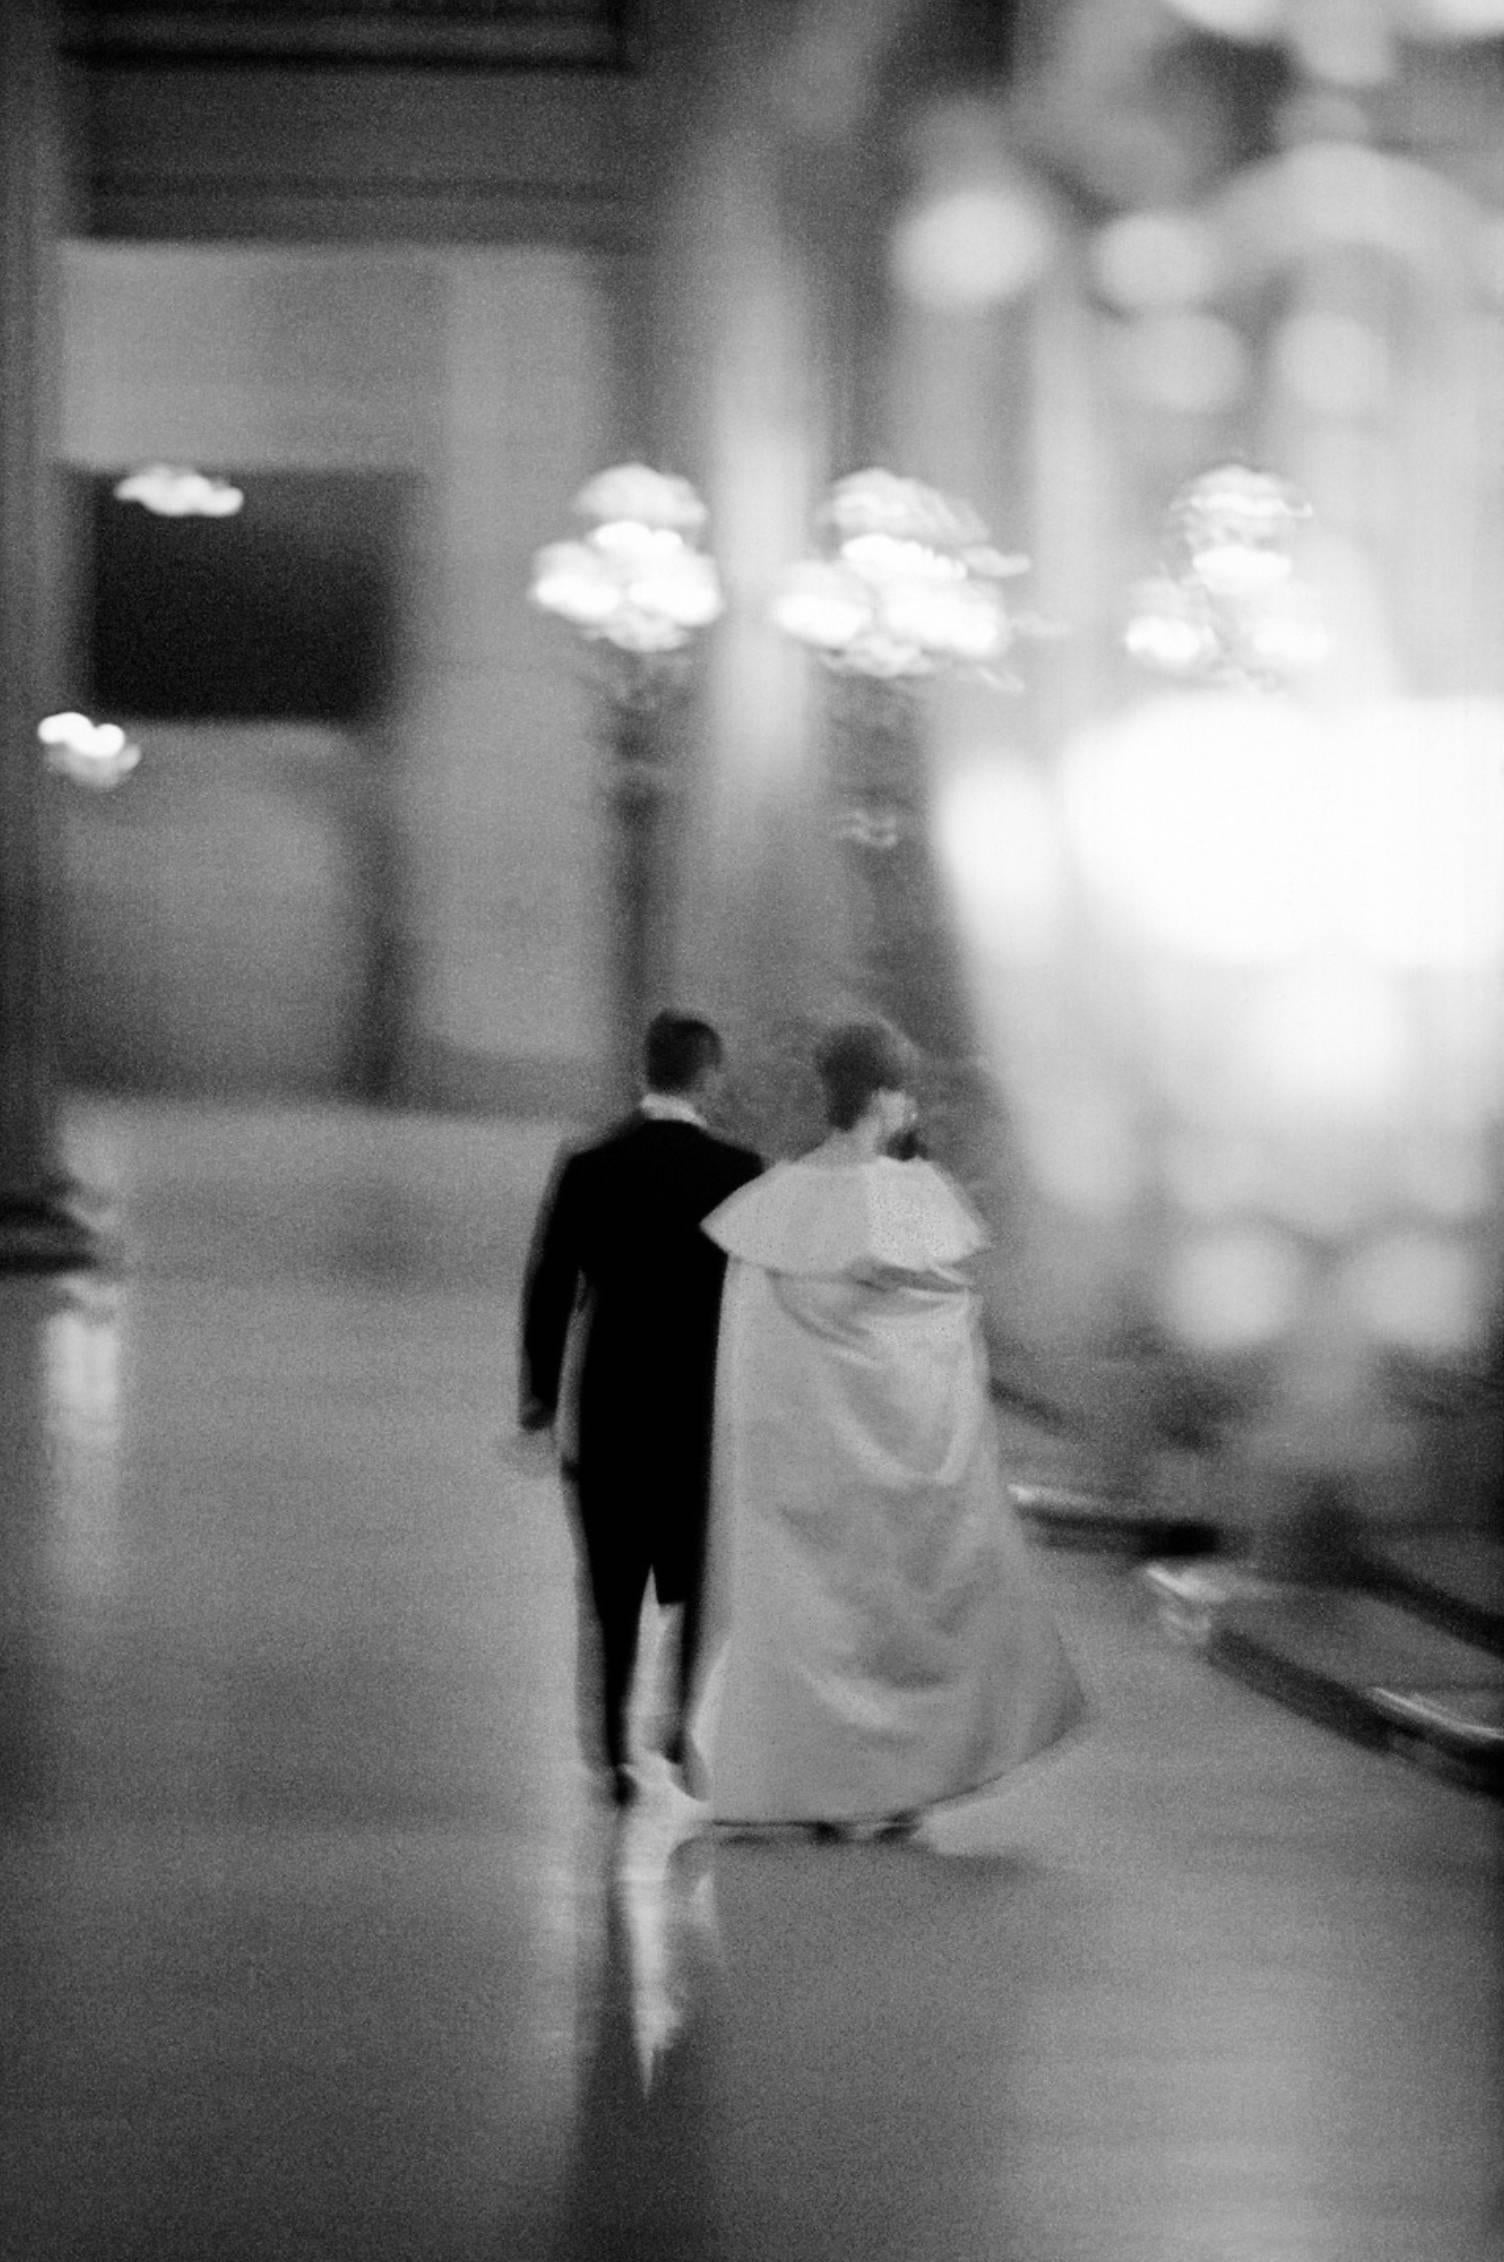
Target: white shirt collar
666	1107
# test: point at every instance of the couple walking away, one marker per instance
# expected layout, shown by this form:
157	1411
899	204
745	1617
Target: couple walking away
770	1396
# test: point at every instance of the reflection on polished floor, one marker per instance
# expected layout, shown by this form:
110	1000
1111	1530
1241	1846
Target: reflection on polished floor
318	1948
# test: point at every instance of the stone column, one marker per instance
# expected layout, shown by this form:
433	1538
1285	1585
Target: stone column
757	354
39	1224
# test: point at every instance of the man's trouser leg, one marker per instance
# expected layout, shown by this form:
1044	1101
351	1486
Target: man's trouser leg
686	1666
618	1581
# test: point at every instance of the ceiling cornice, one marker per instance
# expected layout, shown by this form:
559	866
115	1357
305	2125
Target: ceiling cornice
488	34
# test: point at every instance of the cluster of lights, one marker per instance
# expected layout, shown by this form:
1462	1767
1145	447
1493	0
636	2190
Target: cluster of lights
910	584
175	491
98	755
1229	608
637	579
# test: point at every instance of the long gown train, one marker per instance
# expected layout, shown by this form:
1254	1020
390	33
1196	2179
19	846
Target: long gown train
882	1643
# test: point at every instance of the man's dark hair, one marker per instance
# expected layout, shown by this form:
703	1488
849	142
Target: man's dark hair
856	1062
677	1052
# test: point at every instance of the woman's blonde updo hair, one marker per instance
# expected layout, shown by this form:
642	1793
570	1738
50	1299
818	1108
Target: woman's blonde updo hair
857	1061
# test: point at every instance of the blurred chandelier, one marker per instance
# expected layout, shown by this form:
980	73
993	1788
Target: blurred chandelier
97	755
908	585
636	580
174	490
1229	608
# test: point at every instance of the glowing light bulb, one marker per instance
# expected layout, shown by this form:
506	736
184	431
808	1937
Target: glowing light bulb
65	729
1169	628
635	542
823	605
943	618
97	755
574	581
1237	527
177	491
684	587
1239	569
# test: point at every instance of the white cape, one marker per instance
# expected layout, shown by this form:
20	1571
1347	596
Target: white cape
882	1643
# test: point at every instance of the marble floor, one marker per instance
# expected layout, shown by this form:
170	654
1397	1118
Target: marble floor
318	1948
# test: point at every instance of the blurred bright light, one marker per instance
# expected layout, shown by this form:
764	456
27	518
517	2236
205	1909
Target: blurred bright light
1152	262
890	557
1469	19
959	620
997	836
1416	853
914	585
685	588
1207	1176
1238	569
65	729
176	491
1194	816
1342	45
1340	191
635	543
1327	1039
1423	1291
1170	628
1194	364
1284	632
1082	1156
1232	1290
574	581
1238	829
1332	364
822	603
1237	526
972	247
634	579
884	502
97	755
634	491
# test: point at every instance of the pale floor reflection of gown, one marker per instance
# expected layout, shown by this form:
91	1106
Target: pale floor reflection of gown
879	1641
797	2052
640	2183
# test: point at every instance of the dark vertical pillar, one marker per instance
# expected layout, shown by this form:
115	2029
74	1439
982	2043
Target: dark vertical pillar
38	1223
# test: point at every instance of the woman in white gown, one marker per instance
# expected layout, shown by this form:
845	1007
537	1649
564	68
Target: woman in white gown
884	1646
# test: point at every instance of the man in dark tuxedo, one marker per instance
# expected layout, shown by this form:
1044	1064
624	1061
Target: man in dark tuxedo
622	1280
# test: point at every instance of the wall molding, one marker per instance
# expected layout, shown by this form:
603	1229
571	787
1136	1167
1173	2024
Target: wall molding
445	1078
589	35
257	153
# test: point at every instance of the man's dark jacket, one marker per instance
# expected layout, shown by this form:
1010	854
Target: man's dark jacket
619	1237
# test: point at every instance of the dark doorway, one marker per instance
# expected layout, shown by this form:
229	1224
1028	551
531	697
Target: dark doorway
284	612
